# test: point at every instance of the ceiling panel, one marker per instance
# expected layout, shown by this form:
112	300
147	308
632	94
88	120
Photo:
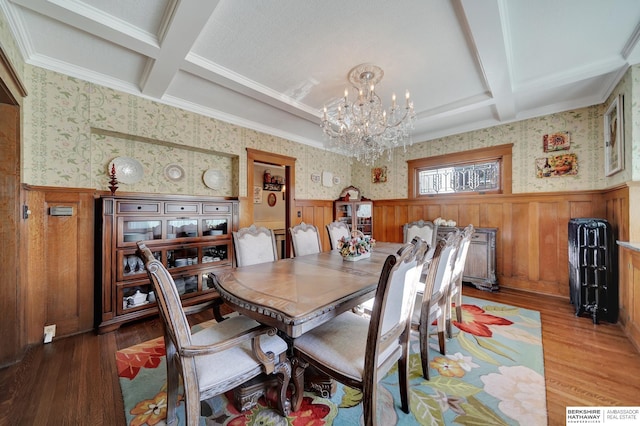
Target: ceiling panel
81	53
272	66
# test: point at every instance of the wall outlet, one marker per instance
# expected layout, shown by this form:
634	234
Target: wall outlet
49	333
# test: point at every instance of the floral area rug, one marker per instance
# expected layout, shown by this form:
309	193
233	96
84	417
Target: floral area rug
492	374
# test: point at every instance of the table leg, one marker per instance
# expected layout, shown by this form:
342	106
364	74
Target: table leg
299	367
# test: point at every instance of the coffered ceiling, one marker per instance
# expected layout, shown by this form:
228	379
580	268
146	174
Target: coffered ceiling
271	65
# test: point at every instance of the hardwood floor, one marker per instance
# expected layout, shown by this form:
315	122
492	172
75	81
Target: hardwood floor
73	381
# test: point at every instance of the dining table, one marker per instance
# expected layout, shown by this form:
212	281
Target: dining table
297	294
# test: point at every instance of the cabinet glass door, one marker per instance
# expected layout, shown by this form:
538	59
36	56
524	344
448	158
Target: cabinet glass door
215	227
134	230
363	218
181	228
180	257
135	297
215	254
344	214
130	265
187	284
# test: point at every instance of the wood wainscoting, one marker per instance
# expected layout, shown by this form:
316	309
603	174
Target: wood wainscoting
532	239
531	247
59	279
318	213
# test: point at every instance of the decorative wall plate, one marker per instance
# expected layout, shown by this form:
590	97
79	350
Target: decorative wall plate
128	170
213	178
174	172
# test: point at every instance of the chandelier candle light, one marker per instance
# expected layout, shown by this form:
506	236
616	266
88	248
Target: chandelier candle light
363	128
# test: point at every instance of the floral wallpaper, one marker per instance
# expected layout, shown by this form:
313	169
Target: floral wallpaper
9	47
72	129
585	126
632	117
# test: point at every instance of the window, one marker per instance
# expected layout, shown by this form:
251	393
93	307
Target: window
475	177
480	171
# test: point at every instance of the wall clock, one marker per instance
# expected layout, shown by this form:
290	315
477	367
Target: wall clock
271	199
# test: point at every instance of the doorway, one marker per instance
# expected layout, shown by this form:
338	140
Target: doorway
11	226
269	201
285	166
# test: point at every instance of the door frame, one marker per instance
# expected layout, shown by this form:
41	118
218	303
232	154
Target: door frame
289	164
12	228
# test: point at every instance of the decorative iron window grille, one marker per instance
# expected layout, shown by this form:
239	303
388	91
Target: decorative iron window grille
477	177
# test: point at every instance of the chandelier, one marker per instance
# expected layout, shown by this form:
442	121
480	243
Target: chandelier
362	127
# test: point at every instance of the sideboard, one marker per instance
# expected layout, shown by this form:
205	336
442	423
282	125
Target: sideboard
480	268
191	236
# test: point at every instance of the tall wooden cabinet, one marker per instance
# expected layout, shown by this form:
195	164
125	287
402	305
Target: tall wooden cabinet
357	215
191	236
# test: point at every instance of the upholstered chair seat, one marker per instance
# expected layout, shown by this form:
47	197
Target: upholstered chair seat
358	351
219	357
235	363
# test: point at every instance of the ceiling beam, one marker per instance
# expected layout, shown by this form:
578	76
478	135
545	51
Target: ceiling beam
95	22
488	34
187	22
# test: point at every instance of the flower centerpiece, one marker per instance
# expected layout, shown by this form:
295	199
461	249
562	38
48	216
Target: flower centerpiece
357	247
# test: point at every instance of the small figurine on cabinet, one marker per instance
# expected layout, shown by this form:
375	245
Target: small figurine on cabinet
113	182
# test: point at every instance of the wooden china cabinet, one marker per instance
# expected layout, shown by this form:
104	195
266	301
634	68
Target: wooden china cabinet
354	211
191	236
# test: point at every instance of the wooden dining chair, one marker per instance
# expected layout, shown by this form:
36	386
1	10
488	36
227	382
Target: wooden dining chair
359	352
430	306
424	229
337	230
255	244
455	289
217	358
305	239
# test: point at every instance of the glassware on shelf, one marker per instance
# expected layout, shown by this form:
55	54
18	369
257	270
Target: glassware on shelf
182	228
141	230
214	227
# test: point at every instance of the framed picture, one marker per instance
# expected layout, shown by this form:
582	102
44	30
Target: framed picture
557	165
271	199
614	137
379	174
556	142
257	195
